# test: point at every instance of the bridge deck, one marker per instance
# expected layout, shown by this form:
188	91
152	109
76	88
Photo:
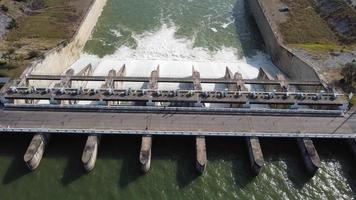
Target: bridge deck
176	124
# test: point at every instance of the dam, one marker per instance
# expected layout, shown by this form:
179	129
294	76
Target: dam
160	83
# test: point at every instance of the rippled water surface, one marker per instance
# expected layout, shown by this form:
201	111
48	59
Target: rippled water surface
172	175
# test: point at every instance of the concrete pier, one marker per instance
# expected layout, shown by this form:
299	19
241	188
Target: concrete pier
153	81
146	141
201	153
201	158
255	154
90	152
91	146
36	150
196	79
253	143
229	76
145	153
309	154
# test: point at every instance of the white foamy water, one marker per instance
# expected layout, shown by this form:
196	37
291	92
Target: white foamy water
175	57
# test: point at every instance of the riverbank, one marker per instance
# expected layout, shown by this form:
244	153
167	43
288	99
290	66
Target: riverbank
37	27
307	39
322	34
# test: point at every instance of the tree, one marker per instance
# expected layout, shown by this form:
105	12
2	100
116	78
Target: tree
349	72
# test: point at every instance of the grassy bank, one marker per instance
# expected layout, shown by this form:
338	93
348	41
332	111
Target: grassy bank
309	28
323	48
41	26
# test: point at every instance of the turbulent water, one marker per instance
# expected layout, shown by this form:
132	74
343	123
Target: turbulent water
175	34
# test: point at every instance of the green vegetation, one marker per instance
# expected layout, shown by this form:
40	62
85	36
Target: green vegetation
33	54
352	102
348	83
349	73
307	29
305	26
317	48
12	24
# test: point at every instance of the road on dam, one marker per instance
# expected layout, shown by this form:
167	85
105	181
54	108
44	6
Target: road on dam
178	124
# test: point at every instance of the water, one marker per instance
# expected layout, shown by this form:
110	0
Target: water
172	175
176	34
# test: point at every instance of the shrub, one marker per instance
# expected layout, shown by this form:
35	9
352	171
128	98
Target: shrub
349	71
10	51
12	24
33	54
4	8
3	63
349	76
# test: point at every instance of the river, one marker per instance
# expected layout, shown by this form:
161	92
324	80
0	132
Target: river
175	34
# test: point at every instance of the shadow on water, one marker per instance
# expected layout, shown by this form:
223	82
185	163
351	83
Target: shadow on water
125	149
180	149
246	29
59	147
16	170
70	148
287	150
14	146
186	171
233	150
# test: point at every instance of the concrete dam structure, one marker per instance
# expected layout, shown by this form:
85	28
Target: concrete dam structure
286	105
286	112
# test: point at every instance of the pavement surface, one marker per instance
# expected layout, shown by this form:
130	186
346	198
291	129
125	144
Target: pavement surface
177	124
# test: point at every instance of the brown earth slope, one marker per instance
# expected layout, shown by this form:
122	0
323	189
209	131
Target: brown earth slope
39	25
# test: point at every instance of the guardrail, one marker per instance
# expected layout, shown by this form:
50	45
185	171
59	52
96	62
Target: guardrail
177	133
175	110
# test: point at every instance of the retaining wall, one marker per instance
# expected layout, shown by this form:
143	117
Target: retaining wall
289	63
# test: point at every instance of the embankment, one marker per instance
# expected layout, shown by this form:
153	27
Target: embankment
288	62
60	58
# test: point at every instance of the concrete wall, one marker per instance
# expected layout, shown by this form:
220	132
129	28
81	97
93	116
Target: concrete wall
292	65
60	58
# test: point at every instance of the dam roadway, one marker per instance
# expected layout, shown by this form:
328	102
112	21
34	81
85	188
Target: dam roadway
170	123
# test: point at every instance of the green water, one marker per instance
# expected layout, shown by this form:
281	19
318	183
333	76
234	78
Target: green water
211	24
172	175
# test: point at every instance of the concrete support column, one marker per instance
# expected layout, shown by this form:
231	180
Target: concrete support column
200	153
90	152
36	150
309	154
145	153
255	154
